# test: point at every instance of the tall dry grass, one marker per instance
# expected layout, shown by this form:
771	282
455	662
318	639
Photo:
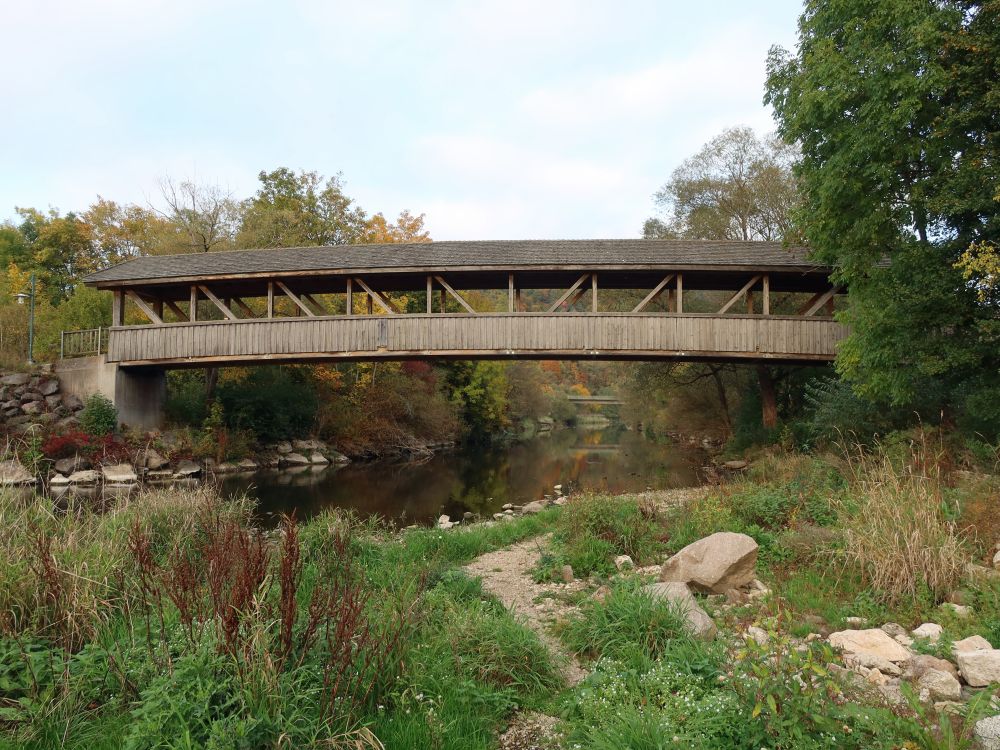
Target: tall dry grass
898	528
65	571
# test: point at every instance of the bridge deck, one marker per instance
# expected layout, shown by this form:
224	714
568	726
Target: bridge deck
517	335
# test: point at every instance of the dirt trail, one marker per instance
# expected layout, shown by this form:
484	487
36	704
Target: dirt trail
506	574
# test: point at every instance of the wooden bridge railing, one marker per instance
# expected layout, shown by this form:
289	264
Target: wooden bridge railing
484	335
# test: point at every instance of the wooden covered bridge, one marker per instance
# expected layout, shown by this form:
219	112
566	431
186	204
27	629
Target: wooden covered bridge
579	299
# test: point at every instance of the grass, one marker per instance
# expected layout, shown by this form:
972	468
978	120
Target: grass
170	621
594	529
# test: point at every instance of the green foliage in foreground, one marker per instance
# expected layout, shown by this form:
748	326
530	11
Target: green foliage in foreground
99	416
655	687
137	654
594	529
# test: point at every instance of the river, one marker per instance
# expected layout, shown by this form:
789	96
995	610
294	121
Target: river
476	479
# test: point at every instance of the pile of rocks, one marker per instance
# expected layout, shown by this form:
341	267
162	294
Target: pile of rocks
300	453
27	400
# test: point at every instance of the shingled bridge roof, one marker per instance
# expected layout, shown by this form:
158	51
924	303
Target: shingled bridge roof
507	255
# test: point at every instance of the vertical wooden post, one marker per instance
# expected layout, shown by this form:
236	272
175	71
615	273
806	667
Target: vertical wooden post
118	309
193	313
370	309
270	299
443	299
518	302
680	293
750	302
510	292
349	295
766	296
829	307
158	308
593	292
430	294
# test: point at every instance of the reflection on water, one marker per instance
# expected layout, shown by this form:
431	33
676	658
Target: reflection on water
480	480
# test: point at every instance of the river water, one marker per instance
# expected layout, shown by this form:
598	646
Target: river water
476	479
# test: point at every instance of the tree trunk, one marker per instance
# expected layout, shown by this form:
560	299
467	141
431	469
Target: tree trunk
768	402
721	388
211	380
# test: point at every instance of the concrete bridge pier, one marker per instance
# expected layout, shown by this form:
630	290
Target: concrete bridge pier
138	393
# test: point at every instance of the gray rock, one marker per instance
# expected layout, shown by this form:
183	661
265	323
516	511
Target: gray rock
247	464
567	573
979	668
718	562
972	643
996	560
225	468
318	458
535	506
893	629
987	731
936	685
85	476
338	458
153	460
679	595
15	379
283	447
186	468
58	480
919	663
48	387
72	402
68	465
735	465
119	474
929	630
295	459
873	642
33	407
12	473
31	396
52	402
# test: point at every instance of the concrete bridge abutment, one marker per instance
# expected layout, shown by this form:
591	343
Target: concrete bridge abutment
138	393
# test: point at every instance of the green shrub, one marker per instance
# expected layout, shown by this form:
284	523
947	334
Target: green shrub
276	402
99	416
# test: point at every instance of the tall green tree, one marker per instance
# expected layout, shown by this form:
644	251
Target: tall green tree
300	210
894	108
738	186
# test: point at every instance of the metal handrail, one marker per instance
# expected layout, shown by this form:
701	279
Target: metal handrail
85	343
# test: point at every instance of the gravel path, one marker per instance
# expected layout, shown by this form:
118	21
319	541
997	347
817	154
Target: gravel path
506	574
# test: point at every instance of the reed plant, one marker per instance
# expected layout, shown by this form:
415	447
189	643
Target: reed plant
899	527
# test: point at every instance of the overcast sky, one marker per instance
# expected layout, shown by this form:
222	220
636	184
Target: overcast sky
498	119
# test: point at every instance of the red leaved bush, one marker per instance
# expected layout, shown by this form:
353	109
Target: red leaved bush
222	576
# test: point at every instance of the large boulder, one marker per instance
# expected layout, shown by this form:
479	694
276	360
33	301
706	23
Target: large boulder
68	465
15	379
979	668
48	387
535	506
679	595
936	685
872	642
13	473
972	643
295	459
722	561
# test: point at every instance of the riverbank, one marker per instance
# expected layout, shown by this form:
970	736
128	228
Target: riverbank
169	615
